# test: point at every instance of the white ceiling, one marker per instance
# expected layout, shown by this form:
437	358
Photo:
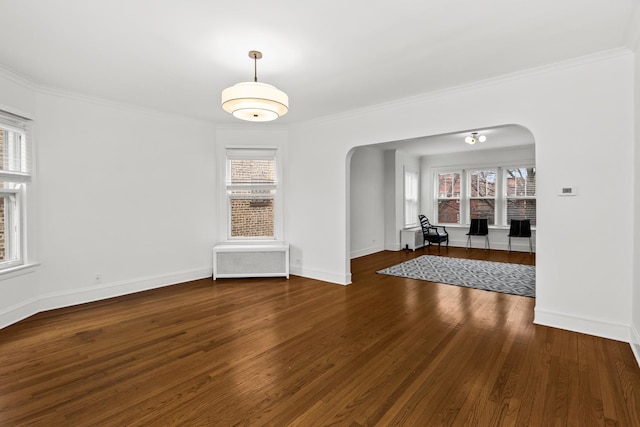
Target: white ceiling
329	56
497	137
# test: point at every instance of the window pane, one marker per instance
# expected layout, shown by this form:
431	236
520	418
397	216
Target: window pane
252	217
3	234
411	186
448	211
521	182
482	184
521	209
8	236
410	198
449	185
483	208
253	171
12	154
251	191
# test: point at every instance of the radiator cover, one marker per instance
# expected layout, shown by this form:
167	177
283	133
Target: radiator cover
411	238
251	261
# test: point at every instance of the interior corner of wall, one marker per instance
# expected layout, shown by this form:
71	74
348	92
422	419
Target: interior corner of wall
635	343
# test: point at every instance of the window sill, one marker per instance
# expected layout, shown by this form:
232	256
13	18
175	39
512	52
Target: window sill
18	270
466	227
250	242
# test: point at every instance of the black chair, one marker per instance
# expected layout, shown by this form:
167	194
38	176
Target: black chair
479	227
431	234
520	228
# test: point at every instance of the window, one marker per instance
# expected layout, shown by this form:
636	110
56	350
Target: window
448	202
410	199
15	175
498	194
482	195
251	193
520	185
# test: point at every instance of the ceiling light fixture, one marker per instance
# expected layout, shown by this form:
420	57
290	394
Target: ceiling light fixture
475	138
253	101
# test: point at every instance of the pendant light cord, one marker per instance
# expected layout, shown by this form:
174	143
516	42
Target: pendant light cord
255	67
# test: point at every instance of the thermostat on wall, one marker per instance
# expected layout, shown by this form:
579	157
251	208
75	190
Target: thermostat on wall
568	191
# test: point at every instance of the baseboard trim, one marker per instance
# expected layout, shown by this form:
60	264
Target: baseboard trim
323	276
392	247
92	293
366	251
635	343
589	326
19	312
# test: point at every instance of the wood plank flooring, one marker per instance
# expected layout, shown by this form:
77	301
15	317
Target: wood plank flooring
382	351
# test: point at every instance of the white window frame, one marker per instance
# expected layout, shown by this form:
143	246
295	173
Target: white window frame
501	198
411	201
507	197
495	197
254	153
437	198
13	227
16	172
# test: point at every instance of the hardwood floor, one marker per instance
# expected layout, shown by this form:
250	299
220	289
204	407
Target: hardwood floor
382	351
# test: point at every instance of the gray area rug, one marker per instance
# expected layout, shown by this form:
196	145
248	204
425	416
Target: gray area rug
514	279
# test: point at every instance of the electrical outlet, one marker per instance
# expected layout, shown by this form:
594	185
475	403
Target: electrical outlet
98	278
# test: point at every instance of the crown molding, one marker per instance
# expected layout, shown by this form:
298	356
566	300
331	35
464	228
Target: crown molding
74	96
132	108
471	86
14	77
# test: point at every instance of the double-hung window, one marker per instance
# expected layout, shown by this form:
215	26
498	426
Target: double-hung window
251	186
448	197
482	194
15	176
410	199
498	194
520	187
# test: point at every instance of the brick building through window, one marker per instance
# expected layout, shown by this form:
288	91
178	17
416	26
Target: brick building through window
497	194
251	190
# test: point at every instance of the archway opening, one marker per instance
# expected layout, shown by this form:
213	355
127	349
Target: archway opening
376	191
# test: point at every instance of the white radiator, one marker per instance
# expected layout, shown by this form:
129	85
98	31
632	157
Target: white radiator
251	261
411	238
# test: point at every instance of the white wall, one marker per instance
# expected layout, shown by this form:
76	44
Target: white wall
581	115
121	193
367	204
635	309
513	156
316	208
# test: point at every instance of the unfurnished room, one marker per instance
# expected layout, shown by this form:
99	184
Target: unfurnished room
408	213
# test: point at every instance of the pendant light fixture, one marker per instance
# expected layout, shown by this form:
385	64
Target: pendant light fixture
475	138
254	101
